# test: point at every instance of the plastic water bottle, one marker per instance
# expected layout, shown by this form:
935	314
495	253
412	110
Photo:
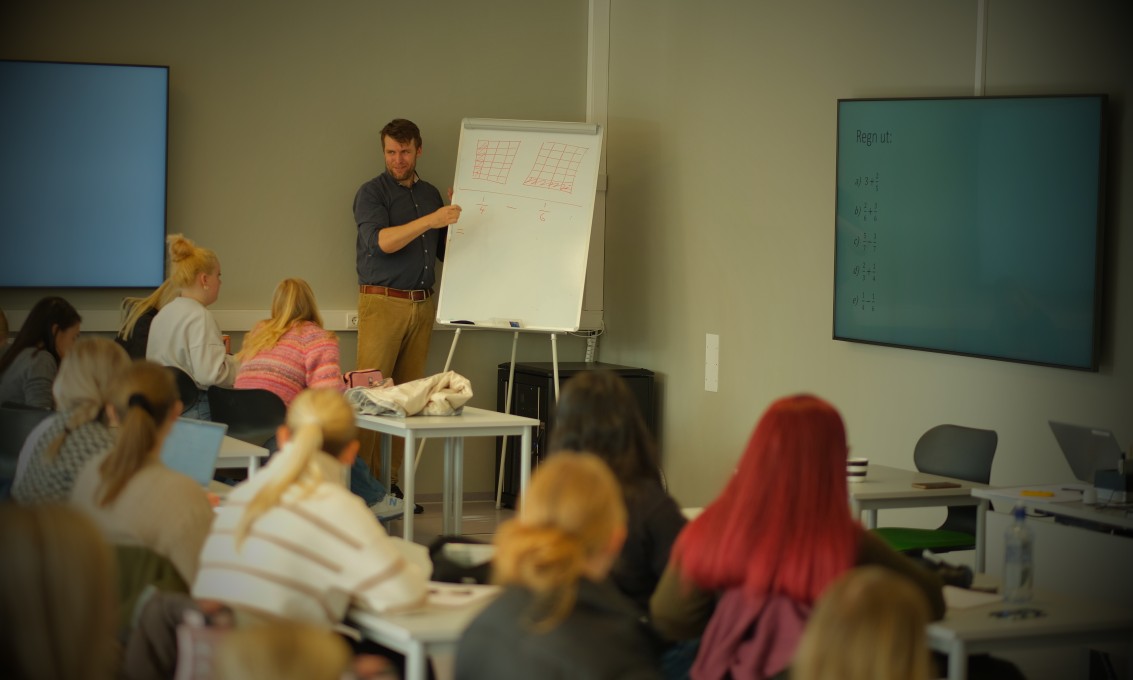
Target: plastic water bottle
1018	562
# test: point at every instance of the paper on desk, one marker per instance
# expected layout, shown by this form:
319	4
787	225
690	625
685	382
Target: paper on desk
962	598
1060	493
458	594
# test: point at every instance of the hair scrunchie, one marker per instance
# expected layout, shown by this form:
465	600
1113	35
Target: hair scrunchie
138	399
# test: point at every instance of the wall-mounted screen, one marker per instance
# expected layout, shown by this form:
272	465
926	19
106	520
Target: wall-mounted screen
972	226
82	174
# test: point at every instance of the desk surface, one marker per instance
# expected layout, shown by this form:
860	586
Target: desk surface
889	483
1063	616
1118	517
471	422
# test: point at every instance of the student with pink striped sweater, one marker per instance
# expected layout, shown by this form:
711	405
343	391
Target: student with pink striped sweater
291	352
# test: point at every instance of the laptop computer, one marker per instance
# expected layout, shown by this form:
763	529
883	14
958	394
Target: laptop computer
192	448
1087	449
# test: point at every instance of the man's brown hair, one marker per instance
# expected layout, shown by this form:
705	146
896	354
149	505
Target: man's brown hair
403	131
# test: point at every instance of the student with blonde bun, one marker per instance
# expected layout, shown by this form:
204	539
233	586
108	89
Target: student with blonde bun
140	312
558	616
293	543
29	365
869	625
184	334
129	492
58	448
56	595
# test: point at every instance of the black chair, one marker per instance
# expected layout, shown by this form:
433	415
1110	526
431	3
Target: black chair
950	451
16	423
187	388
251	415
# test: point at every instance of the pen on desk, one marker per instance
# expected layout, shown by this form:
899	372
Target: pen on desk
1037	494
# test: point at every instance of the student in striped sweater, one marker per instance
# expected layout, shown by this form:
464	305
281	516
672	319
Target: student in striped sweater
291	352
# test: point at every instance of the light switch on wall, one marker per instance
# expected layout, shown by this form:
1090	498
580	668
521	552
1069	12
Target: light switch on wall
711	362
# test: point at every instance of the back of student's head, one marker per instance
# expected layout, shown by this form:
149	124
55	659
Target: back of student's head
785	511
869	625
85	382
57	596
292	303
597	412
318	420
145	400
281	651
571	515
49	317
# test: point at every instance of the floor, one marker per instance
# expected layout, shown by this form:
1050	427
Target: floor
479	522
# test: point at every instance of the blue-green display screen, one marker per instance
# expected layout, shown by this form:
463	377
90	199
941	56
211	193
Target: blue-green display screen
972	226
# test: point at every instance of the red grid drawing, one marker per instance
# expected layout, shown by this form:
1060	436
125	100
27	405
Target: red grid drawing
493	160
556	166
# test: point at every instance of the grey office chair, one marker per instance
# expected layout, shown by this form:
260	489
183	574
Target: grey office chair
251	415
950	451
186	388
16	423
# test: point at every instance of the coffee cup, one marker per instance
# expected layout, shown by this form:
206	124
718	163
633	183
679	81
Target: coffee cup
857	469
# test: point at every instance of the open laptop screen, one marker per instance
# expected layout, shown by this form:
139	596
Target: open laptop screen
1087	449
192	448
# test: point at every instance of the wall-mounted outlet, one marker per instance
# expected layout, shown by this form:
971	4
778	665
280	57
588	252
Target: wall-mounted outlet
352	320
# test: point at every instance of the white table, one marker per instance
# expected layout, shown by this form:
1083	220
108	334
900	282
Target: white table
473	422
430	632
1066	621
888	488
235	453
1120	517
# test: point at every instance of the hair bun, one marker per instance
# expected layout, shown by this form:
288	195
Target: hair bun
180	248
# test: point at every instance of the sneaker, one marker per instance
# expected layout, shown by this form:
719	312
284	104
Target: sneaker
388	508
396	491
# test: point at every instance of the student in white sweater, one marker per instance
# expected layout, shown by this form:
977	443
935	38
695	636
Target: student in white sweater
293	542
184	334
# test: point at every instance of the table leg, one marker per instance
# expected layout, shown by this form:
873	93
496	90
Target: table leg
524	460
958	661
458	487
385	449
253	465
871	519
446	491
981	536
407	483
416	662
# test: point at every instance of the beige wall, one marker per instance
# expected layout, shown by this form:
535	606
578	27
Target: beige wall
720	218
275	108
720	155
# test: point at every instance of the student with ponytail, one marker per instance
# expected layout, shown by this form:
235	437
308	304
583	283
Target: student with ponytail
557	615
129	492
56	450
293	543
184	334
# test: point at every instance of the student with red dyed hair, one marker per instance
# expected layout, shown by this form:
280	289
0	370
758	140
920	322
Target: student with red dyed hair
745	573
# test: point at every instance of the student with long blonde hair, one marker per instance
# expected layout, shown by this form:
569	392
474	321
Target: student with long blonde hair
281	651
292	543
291	352
140	312
184	334
129	492
56	451
558	616
57	596
869	625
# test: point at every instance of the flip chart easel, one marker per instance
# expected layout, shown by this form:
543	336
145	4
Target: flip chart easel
516	259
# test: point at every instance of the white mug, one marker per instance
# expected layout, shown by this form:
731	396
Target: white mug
857	469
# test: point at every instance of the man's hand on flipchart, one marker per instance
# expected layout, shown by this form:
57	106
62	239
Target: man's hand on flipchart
446	215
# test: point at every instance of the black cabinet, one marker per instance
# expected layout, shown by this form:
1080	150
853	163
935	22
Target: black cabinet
534	397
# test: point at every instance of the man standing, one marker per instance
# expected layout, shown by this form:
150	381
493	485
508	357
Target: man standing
402	224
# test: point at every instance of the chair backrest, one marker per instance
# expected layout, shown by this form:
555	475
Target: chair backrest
139	568
251	415
186	388
16	423
957	451
960	452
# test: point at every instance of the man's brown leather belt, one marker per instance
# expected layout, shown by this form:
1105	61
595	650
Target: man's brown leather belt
414	295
